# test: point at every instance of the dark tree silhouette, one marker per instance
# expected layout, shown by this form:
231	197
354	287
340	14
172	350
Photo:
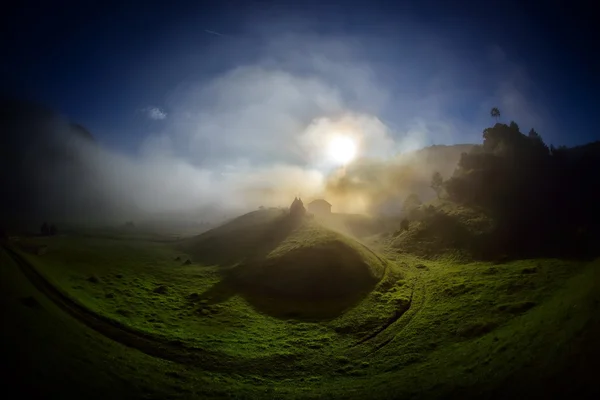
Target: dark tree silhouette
45	229
404	224
495	113
541	199
52	230
297	208
437	183
533	135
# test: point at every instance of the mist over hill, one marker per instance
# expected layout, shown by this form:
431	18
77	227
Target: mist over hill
54	169
514	196
381	186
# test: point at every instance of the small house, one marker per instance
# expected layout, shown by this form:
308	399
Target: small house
319	207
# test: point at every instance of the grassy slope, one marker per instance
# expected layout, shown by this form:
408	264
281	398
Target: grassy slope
48	354
521	348
288	266
119	279
449	229
238	239
314	235
268	233
319	258
470	328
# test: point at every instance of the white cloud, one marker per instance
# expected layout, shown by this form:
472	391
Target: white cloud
154	113
256	133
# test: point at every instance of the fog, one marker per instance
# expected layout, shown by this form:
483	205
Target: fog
255	133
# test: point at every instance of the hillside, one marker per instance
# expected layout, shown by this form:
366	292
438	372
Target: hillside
442	228
379	187
46	164
442	158
429	329
267	254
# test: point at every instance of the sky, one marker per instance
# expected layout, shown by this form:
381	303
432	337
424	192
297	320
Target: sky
251	89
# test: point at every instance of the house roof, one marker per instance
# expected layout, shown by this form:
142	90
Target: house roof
320	201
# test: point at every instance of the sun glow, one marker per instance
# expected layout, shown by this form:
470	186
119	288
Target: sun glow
342	149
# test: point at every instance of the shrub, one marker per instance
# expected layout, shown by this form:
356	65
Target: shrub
404	224
45	229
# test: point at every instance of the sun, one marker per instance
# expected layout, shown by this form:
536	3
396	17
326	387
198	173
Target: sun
342	149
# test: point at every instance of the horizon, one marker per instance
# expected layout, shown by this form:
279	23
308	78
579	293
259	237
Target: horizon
265	100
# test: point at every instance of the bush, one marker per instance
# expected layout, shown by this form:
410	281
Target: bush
404	224
45	229
297	208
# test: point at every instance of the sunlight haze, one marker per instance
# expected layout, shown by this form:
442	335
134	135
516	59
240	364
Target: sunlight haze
342	149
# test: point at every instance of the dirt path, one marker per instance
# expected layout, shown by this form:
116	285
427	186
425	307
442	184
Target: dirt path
415	308
175	350
49	354
398	314
171	351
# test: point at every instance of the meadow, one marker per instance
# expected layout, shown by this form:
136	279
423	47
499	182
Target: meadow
427	328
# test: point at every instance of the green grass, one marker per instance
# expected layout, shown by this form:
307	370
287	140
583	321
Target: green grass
444	229
49	354
425	328
289	267
140	284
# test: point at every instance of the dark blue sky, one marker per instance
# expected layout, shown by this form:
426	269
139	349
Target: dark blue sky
106	65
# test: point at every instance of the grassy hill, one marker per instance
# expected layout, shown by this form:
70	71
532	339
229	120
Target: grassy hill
442	228
429	329
273	307
269	255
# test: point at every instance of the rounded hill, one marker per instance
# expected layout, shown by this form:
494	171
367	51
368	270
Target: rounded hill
270	254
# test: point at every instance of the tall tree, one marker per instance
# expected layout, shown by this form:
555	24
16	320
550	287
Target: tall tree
437	183
534	135
495	113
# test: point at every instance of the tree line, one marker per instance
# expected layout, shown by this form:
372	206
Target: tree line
543	199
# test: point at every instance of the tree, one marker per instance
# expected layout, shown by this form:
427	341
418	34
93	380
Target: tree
495	113
404	224
45	229
537	142
52	230
297	208
534	135
437	183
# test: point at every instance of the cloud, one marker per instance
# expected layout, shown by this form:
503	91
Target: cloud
255	133
213	32
154	113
